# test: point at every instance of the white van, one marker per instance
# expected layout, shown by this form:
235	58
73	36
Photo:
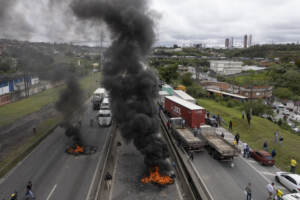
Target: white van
104	118
105	105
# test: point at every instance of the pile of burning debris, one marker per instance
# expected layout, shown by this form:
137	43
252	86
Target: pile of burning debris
77	148
156	178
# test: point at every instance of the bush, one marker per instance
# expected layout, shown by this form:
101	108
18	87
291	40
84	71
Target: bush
258	108
196	91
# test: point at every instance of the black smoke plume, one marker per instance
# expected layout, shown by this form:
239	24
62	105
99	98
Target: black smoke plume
71	101
132	86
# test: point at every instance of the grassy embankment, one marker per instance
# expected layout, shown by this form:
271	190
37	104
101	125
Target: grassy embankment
11	112
260	130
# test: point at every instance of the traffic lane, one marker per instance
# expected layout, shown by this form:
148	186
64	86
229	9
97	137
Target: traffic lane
219	182
48	165
225	182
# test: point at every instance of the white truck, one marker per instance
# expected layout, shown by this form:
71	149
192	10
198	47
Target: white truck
104	118
97	98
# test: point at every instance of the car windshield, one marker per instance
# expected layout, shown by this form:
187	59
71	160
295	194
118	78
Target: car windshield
268	157
104	115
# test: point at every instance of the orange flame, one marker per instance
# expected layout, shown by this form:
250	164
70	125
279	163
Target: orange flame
78	149
155	177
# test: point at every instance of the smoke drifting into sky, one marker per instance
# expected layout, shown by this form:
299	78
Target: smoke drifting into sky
131	86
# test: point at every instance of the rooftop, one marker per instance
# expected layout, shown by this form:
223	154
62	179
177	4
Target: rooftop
184	103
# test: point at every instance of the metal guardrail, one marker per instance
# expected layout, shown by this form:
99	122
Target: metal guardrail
194	182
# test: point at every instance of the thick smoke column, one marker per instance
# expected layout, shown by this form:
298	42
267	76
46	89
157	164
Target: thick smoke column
71	100
132	87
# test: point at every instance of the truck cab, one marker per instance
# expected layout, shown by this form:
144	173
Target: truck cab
97	98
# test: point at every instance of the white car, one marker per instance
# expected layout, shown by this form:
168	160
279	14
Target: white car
289	180
104	118
294	196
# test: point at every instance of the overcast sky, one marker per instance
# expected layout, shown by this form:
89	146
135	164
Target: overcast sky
181	22
212	21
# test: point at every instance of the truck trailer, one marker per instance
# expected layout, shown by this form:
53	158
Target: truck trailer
217	146
193	114
185	136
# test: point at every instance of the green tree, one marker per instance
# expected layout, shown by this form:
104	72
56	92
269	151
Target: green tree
283	93
187	79
196	91
168	73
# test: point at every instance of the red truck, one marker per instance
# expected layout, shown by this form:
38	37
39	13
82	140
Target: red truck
193	114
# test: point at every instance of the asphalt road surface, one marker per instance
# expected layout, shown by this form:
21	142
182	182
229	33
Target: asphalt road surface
55	174
225	182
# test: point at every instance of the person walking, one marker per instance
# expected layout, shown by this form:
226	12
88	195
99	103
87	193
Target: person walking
271	191
191	156
265	145
243	114
248	118
293	165
237	138
218	120
108	178
244	150
230	125
247	151
248	191
29	192
276	134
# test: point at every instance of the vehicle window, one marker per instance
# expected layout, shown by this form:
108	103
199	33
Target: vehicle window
258	154
291	180
268	158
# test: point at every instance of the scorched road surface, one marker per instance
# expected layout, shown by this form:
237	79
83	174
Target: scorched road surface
55	174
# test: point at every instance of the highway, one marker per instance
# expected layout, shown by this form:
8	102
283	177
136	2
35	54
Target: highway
55	174
225	182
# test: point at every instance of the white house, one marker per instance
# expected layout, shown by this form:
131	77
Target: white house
226	67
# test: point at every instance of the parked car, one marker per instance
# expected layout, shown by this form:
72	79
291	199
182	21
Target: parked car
296	129
293	196
289	180
286	112
211	121
263	157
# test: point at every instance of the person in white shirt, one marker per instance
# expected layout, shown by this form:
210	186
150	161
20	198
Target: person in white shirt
271	191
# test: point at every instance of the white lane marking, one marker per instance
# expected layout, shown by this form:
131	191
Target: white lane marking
268	173
97	167
265	178
50	194
178	190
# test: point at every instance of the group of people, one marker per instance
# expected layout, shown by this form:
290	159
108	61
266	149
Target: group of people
248	116
28	195
273	192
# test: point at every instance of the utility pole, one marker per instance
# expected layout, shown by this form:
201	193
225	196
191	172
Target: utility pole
101	49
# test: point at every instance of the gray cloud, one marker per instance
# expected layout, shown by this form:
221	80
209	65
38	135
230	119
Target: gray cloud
176	22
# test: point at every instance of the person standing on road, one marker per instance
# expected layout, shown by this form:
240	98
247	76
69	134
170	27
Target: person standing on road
29	192
276	134
108	178
237	138
230	125
248	191
244	149
293	165
247	151
271	191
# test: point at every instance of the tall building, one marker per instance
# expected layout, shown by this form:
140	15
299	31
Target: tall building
227	43
231	43
226	67
245	41
250	41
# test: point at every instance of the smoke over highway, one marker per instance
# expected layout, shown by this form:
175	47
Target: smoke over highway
132	87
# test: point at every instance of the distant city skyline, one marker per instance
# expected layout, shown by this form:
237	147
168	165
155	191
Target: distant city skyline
183	23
